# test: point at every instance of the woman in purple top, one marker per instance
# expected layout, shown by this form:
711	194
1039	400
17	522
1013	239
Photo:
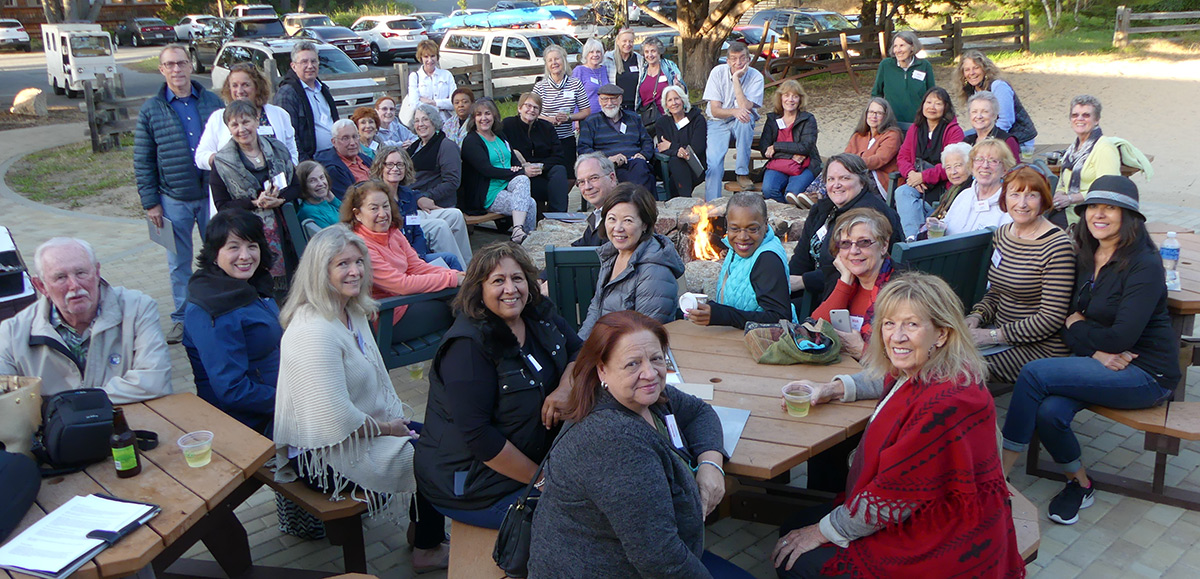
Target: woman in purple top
592	72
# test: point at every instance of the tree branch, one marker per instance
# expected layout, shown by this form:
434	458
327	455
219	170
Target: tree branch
718	16
659	17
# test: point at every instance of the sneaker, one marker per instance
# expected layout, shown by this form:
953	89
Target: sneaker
175	334
1065	506
801	200
519	234
745	182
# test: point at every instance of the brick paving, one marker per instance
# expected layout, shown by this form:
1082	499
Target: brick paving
1118	537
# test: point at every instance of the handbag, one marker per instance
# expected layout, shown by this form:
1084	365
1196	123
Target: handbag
75	432
20	481
511	552
783	343
20	413
649	113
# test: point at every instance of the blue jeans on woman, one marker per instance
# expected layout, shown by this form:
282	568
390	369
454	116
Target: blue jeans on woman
775	183
487	517
912	209
1049	392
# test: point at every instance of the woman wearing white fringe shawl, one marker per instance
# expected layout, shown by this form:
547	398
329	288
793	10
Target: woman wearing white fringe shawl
339	424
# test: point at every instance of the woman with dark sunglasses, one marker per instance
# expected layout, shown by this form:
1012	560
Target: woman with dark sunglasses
1126	354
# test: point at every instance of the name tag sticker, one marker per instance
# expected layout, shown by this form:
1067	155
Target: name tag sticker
266	130
595	80
537	367
782	125
981	206
622	128
822	231
918	75
633	69
662	78
568	94
682	123
995	258
412	219
673	430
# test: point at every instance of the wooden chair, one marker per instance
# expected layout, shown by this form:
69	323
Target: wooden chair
411	351
572	273
471	552
962	260
343	519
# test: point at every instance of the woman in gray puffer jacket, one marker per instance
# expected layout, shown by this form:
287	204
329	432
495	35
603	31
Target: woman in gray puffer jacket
638	267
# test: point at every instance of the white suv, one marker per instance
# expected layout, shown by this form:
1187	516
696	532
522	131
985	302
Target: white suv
253	10
12	33
390	36
507	47
277	54
189	25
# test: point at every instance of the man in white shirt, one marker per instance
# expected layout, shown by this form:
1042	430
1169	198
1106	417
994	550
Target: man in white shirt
734	93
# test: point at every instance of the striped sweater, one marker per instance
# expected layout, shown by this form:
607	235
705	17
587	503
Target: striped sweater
565	97
1029	294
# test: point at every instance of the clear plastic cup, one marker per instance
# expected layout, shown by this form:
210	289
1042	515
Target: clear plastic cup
197	448
798	399
937	227
416	371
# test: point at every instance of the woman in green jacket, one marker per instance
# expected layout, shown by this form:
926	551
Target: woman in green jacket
903	79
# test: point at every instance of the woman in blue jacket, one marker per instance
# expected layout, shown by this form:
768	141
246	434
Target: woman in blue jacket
231	324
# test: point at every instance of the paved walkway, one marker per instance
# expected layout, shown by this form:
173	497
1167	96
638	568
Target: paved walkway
1118	537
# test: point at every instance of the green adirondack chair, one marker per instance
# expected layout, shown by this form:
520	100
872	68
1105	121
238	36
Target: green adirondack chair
411	351
295	230
572	273
962	260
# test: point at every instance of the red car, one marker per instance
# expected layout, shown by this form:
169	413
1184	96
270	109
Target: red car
352	44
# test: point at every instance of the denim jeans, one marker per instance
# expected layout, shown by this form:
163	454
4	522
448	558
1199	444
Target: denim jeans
775	184
1049	392
183	216
487	517
912	208
718	144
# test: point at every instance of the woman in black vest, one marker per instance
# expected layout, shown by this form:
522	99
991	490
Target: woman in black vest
920	159
488	422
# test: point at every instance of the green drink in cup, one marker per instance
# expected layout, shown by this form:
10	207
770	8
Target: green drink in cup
798	399
937	227
197	448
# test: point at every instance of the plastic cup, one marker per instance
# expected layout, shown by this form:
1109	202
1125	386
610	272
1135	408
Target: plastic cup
937	228
798	399
196	447
416	371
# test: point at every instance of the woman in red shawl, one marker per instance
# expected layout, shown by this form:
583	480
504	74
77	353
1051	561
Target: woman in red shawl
926	496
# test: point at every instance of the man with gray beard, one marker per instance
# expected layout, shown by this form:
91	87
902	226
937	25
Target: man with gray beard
619	135
84	333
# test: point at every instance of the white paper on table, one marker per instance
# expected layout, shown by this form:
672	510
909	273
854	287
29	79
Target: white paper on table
733	422
701	391
673	376
52	545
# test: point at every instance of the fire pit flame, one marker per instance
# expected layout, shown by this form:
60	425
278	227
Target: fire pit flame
702	246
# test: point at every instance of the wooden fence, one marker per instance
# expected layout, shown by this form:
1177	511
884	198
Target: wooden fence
109	112
1125	17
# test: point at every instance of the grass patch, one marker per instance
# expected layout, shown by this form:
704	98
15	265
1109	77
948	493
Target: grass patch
71	174
148	65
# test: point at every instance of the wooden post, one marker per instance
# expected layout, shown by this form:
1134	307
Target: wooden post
402	76
849	63
1025	32
1121	34
883	45
93	126
488	88
957	46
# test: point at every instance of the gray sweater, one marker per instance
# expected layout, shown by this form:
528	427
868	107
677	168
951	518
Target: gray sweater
619	502
646	285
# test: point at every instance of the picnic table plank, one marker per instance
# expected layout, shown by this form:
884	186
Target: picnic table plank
213	482
181	508
127	556
764	460
742	364
817	437
850	418
233	440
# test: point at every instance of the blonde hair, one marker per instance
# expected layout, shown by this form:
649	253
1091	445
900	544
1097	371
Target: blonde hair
998	147
790	87
311	285
561	52
957	359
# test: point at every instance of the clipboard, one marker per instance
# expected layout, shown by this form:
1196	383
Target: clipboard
164	236
694	163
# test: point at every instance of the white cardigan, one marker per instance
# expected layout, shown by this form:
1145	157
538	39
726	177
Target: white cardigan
438	87
216	135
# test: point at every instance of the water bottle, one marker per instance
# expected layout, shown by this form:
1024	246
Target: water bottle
1170	256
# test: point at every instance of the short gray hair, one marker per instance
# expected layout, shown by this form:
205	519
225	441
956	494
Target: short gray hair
958	148
341	124
606	165
562	52
749	200
435	116
311	285
239	108
303	46
737	47
655	42
671	88
173	46
590	45
1086	100
911	38
39	255
985	95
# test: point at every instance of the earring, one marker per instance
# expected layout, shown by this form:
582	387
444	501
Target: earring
931	349
604	384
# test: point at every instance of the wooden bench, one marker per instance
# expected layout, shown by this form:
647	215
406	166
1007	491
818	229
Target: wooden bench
1025	520
343	519
471	552
489	217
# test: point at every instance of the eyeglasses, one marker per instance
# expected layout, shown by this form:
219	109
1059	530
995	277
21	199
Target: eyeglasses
392	166
1084	299
180	64
986	162
863	244
306	61
1081	115
874	113
752	230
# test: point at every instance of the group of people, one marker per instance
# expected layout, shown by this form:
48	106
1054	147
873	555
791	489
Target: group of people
284	342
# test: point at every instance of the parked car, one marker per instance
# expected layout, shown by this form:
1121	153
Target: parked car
187	26
12	33
76	52
390	37
340	36
294	21
427	18
666	8
244	10
513	5
806	22
138	31
208	42
466	11
274	57
509	47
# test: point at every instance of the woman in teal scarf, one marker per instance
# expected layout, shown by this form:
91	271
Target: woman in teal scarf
752	285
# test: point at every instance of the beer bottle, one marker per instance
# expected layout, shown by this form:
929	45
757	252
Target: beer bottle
124	446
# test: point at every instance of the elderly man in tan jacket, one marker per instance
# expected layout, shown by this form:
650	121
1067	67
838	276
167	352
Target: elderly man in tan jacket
84	333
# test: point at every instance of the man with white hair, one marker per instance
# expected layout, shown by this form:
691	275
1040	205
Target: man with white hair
307	100
620	136
84	333
345	162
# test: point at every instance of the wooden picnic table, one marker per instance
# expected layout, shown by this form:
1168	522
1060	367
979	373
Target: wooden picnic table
197	503
773	442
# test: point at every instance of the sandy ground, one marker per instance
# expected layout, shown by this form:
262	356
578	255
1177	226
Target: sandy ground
1148	99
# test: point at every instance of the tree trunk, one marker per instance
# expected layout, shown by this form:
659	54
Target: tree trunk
53	10
701	58
93	12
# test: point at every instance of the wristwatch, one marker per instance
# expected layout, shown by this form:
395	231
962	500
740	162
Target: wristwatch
995	336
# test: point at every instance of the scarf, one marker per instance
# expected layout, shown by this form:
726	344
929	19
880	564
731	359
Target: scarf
929	148
242	184
1076	155
885	274
930	454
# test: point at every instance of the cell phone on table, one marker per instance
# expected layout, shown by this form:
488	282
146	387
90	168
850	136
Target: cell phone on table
840	320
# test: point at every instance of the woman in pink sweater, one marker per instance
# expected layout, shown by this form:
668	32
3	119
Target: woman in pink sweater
396	268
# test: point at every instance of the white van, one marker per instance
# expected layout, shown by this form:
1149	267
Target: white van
506	47
74	53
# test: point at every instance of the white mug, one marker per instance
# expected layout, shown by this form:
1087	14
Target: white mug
690	301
